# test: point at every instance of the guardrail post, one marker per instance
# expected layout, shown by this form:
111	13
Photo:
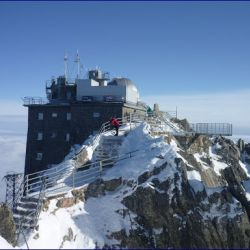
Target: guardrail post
130	121
73	177
100	168
27	183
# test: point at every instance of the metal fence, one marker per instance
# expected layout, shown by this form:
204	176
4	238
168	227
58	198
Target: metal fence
225	129
29	100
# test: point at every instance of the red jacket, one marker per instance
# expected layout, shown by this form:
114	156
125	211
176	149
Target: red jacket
115	122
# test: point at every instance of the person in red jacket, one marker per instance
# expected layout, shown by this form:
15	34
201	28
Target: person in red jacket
115	124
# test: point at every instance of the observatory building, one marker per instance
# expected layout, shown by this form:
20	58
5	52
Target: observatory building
73	110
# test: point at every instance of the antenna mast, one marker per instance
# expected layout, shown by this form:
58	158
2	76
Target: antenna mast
65	65
78	64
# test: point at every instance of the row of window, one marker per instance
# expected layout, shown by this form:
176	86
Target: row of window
53	135
40	116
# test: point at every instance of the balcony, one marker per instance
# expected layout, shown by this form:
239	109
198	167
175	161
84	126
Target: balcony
29	100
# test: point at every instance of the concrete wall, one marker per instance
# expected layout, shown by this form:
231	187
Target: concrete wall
86	88
121	93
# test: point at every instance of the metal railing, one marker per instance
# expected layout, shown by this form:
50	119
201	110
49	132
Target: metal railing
31	219
77	177
29	100
225	129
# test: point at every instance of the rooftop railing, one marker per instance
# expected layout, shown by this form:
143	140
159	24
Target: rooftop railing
29	100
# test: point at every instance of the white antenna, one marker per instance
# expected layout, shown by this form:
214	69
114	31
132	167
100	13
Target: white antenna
81	69
78	64
65	65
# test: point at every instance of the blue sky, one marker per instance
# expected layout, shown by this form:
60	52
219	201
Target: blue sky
173	51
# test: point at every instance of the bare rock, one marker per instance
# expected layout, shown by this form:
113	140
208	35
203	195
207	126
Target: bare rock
7	225
79	194
66	202
113	184
199	145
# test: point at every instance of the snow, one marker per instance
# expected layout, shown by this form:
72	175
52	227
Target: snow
90	222
218	165
246	185
146	157
4	244
194	179
245	167
198	157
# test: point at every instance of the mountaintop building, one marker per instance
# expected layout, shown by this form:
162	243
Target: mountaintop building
73	110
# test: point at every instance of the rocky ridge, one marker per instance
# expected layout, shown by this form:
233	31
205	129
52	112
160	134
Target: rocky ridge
177	192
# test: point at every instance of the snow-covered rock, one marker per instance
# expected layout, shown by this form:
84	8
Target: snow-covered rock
190	192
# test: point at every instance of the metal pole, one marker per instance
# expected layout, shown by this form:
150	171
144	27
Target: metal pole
100	168
14	191
27	184
130	121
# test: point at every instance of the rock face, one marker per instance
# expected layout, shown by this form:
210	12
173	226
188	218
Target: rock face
186	219
7	225
179	211
99	187
182	123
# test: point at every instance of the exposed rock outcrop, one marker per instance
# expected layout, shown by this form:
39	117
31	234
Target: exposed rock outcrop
182	123
183	218
177	213
7	225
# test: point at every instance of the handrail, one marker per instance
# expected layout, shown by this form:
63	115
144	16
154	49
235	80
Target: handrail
33	184
29	217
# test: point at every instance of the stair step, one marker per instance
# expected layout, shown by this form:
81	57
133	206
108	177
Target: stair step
29	199
25	219
21	208
19	211
26	226
29	205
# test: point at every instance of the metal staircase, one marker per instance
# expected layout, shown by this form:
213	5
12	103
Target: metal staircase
26	210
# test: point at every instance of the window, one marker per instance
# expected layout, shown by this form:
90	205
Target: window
54	115
68	95
39	156
40	116
96	114
67	137
39	136
68	116
53	135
